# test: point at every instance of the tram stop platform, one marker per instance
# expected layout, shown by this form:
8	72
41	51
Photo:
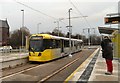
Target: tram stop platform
93	70
12	59
98	73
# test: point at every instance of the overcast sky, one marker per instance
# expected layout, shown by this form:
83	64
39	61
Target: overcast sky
95	10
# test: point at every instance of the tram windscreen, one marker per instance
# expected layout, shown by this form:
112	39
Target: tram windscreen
36	44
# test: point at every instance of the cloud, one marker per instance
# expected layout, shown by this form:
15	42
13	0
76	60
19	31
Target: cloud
94	9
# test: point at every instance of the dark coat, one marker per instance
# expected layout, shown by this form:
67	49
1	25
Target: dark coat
107	49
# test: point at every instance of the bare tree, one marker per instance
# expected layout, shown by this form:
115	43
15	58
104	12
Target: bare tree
16	37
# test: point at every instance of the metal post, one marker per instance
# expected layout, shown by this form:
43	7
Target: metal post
58	26
22	27
89	37
70	32
38	27
118	31
78	36
119	15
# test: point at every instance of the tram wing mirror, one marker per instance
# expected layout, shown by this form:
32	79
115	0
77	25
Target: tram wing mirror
31	49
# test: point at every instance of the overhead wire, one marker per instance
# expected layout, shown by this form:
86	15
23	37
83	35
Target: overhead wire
35	10
80	13
38	11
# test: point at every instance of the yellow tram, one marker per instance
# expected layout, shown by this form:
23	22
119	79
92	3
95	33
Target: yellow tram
45	47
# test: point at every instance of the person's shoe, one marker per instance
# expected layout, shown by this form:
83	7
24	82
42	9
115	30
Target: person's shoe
108	73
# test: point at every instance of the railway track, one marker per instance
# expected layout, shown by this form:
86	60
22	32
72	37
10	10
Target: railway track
47	75
57	71
62	69
32	67
23	70
18	72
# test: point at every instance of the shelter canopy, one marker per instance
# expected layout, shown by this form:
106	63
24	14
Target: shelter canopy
106	30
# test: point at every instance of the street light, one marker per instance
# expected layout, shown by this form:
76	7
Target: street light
58	23
57	26
88	35
70	32
22	26
89	29
38	27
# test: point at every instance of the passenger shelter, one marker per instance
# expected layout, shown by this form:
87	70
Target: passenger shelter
115	36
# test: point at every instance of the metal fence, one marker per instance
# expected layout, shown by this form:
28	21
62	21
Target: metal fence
13	51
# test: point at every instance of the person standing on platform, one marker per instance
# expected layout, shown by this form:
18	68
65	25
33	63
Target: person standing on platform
107	53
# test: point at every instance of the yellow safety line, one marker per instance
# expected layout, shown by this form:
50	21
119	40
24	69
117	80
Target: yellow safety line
80	66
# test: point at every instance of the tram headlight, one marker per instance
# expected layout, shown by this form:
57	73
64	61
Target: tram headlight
39	54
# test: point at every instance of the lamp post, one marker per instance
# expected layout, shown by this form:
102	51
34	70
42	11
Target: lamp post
58	24
88	36
70	32
22	27
89	29
38	27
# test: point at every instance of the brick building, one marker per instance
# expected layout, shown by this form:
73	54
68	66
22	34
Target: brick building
4	33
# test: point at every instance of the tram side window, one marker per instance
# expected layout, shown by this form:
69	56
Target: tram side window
71	43
80	45
56	43
47	43
66	43
75	44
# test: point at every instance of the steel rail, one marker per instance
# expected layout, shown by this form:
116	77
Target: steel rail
18	72
57	71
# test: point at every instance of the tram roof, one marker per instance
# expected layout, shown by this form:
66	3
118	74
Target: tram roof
56	37
48	36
